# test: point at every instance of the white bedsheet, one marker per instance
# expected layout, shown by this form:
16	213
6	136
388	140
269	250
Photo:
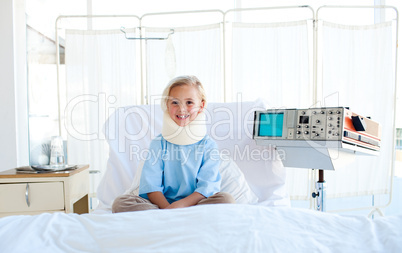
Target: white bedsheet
209	228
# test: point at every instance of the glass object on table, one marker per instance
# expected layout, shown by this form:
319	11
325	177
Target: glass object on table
56	151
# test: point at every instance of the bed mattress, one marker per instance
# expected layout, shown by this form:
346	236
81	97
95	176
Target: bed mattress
208	228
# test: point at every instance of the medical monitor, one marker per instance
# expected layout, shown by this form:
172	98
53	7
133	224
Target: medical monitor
309	138
315	125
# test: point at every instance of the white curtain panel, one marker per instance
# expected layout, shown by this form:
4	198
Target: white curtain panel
272	61
358	71
100	76
189	51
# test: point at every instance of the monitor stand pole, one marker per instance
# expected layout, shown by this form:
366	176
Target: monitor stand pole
320	193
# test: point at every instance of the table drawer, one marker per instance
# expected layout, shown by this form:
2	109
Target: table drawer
31	197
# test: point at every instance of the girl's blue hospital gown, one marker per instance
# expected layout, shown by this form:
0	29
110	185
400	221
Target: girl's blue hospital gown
179	170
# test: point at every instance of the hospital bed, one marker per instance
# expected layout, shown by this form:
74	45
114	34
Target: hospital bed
261	221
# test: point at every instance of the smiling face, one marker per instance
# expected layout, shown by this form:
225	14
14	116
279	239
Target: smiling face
184	104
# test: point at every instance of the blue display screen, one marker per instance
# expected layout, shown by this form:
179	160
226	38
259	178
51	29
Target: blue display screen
271	124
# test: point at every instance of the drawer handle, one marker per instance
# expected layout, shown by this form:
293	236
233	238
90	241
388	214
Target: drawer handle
27	195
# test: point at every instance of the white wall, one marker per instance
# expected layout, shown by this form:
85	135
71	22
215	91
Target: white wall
13	88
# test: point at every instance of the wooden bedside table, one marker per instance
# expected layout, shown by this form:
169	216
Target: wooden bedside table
61	191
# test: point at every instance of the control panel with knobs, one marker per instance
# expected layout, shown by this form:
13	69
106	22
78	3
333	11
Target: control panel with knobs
320	123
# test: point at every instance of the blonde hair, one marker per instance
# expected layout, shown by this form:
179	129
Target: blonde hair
179	81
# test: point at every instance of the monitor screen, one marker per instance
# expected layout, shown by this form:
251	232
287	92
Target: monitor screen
271	124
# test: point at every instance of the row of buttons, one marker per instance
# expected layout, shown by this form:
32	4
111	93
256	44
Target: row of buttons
322	112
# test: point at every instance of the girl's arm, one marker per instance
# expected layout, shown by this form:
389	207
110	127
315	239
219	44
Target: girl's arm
208	177
190	200
158	199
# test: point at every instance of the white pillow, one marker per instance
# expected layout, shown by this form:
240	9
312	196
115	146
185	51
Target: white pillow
135	186
233	182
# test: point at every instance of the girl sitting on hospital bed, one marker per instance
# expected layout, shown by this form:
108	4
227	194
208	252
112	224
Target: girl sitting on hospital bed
182	167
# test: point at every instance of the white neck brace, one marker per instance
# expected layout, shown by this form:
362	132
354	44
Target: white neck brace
190	134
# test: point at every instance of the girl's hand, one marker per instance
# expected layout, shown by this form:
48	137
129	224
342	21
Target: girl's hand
158	199
177	204
190	200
